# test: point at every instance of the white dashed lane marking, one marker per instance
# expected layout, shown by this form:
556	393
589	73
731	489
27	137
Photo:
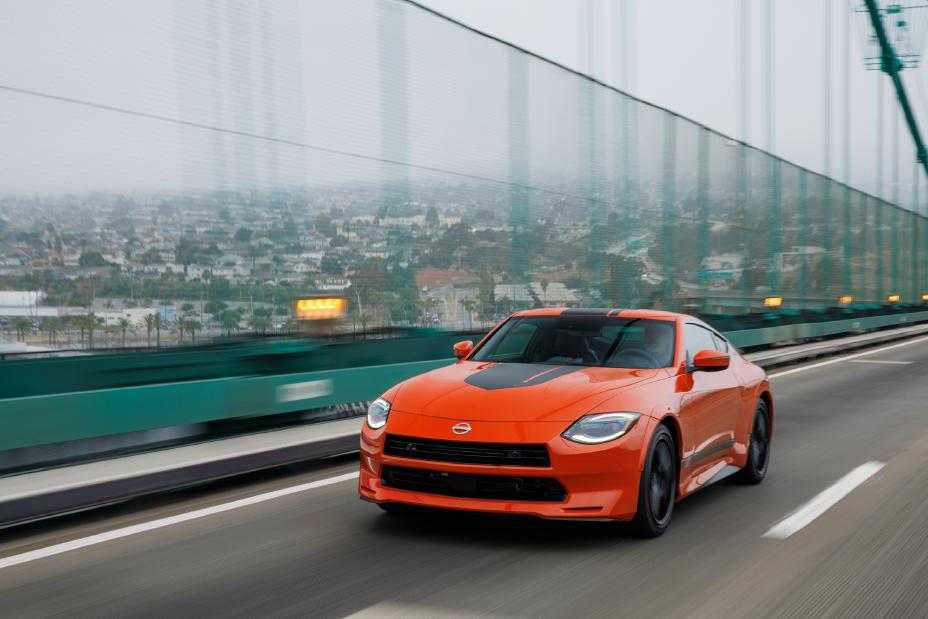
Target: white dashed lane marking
886	361
823	501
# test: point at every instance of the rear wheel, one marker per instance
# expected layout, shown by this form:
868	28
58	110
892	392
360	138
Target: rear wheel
657	490
755	469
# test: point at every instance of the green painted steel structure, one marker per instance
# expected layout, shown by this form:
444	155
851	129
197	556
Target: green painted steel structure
53	400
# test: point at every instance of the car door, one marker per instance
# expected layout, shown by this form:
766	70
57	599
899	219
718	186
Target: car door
712	401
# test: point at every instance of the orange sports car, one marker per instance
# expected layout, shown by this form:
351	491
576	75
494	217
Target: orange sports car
572	413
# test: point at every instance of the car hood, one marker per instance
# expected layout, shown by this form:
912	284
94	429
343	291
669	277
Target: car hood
479	391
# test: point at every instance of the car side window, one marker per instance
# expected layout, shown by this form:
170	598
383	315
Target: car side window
720	343
697	338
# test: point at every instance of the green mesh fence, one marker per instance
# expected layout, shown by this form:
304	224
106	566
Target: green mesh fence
252	153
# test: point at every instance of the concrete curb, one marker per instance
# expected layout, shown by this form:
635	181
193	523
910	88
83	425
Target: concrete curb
792	355
34	496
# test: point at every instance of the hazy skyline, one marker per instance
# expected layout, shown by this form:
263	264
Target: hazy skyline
310	76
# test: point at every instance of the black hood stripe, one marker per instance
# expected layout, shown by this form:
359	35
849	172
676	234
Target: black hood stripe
510	375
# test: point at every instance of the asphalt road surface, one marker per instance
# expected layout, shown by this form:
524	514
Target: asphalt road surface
316	550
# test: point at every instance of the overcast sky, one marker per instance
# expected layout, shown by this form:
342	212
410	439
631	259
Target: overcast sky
685	57
312	73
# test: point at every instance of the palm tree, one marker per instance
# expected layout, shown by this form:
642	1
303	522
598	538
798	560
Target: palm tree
158	322
21	326
80	322
428	311
148	322
254	253
124	326
192	327
53	324
229	320
66	326
469	306
93	322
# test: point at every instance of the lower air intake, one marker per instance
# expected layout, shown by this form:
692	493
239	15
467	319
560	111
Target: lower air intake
503	488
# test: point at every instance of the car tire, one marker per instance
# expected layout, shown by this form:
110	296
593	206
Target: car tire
755	469
657	489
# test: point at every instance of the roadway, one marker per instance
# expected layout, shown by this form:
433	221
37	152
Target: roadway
317	550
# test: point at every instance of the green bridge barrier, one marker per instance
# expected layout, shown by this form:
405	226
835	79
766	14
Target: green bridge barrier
766	336
40	420
52	400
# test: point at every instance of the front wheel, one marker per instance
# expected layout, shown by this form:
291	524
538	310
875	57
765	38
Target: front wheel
755	469
657	490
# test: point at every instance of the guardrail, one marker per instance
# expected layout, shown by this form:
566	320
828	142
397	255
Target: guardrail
54	400
768	336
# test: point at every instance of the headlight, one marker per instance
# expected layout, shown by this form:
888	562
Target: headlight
600	427
377	413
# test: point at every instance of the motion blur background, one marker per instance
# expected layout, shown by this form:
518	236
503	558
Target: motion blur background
223	222
182	170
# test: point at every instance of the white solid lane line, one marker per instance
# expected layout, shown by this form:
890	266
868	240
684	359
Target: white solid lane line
847	358
823	501
99	538
886	361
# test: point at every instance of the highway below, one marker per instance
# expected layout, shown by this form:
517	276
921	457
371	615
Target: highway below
316	550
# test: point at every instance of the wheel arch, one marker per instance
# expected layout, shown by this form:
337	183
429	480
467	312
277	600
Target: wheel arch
673	426
767	397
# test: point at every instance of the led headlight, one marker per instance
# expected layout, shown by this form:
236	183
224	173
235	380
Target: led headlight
600	428
377	413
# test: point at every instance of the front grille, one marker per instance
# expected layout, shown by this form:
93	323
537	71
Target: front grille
462	452
474	486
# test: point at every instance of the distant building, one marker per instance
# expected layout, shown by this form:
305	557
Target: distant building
555	294
333	284
21	298
430	277
721	269
519	294
791	260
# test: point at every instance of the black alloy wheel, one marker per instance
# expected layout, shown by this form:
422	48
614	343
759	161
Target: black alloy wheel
755	469
657	490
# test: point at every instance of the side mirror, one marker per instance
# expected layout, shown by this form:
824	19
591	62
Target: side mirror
462	349
710	361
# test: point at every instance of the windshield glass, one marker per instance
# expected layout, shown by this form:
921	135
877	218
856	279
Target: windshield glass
582	340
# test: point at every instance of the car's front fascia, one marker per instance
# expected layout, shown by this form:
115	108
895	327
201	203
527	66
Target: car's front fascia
600	480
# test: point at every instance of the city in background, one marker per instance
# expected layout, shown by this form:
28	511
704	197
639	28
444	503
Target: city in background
380	152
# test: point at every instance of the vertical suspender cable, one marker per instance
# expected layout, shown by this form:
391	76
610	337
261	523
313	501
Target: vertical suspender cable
895	215
826	143
914	232
881	204
745	109
773	175
848	250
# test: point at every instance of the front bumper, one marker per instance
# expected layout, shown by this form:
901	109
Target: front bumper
601	481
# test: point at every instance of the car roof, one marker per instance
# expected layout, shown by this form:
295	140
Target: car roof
602	311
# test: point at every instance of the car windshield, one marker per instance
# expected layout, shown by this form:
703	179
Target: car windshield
582	340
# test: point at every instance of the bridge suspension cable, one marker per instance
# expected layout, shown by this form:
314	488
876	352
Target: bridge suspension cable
892	65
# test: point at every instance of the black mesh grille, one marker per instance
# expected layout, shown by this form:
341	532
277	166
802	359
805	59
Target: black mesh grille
461	452
504	488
